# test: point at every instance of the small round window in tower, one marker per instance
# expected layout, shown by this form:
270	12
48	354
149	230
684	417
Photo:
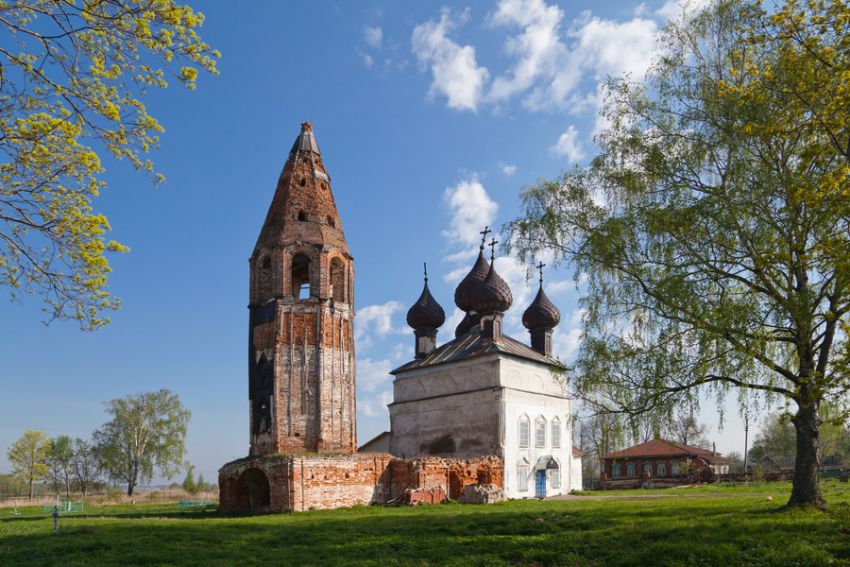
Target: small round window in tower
302	215
331	222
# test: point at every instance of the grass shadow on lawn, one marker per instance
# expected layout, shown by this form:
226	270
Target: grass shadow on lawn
726	531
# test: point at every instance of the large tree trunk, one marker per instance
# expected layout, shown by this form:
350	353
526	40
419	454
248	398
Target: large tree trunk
806	488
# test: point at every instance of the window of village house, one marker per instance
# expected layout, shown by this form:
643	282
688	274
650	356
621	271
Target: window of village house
300	272
337	280
662	469
556	433
647	467
554	477
674	468
540	432
632	470
522	477
615	470
524	432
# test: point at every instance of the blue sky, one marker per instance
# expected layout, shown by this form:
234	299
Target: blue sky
431	118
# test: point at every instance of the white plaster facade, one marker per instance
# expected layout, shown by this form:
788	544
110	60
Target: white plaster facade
476	406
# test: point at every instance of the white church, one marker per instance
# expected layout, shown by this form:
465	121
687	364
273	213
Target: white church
485	393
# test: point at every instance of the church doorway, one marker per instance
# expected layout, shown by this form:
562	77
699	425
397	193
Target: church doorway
540	484
253	489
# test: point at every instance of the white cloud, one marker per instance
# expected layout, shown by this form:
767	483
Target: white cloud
568	145
610	48
373	35
471	208
372	373
375	322
507	168
567	336
367	59
673	9
375	406
456	74
537	49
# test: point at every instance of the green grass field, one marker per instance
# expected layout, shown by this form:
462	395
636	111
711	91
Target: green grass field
699	527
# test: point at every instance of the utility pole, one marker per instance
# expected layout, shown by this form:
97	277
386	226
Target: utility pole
746	444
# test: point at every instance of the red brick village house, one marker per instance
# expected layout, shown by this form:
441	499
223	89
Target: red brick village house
661	463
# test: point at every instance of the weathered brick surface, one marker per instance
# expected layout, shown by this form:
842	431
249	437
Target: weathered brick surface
303	399
305	482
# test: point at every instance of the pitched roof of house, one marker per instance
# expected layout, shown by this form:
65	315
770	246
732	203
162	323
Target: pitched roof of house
664	448
472	345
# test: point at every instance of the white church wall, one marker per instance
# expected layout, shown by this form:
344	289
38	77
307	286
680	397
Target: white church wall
449	410
532	392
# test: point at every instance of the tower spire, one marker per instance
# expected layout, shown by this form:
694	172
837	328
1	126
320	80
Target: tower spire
301	348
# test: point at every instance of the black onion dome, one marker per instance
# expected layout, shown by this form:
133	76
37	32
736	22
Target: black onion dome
493	294
466	324
426	313
542	313
468	288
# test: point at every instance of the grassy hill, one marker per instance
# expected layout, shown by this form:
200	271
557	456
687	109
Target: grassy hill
722	526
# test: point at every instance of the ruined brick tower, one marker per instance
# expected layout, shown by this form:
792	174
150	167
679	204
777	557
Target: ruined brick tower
301	340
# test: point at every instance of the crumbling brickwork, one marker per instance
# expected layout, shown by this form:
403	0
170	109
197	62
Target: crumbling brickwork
301	343
316	482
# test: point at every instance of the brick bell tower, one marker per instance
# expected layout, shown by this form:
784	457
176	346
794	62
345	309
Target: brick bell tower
301	339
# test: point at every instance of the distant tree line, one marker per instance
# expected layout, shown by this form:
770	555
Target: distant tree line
145	433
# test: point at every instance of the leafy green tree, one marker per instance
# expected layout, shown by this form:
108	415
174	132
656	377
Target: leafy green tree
147	432
204	486
85	466
28	456
59	464
72	77
189	484
713	228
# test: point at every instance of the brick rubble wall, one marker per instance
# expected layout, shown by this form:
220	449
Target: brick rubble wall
318	482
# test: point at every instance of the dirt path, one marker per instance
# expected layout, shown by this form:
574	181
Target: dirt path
639	496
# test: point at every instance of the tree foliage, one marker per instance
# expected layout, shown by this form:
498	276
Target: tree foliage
59	464
687	430
147	432
28	456
713	227
85	465
72	77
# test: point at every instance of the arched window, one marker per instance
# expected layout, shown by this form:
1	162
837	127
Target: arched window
337	282
524	432
540	432
331	222
522	476
300	276
303	182
554	476
302	215
556	433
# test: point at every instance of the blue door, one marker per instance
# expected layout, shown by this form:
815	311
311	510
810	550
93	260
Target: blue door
540	484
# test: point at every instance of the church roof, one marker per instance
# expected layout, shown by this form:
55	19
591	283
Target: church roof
472	345
664	448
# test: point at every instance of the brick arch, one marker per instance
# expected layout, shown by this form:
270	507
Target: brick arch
265	276
253	490
313	269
